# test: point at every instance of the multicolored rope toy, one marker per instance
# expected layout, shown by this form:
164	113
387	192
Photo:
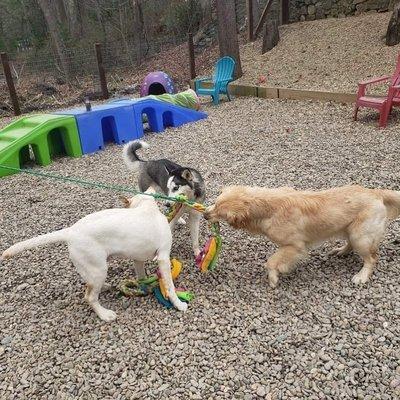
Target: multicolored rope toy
206	260
154	284
208	257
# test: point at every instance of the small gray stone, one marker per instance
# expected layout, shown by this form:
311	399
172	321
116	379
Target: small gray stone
261	391
22	286
6	340
395	382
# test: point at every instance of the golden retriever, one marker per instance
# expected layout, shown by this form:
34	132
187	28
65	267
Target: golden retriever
299	220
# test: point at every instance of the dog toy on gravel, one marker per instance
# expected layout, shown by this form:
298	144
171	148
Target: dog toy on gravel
208	257
155	284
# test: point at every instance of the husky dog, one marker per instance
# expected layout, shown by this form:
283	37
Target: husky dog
171	179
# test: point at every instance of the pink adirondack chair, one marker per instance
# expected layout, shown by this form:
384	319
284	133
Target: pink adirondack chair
383	104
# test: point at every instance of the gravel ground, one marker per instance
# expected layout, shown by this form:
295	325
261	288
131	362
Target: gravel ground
329	54
315	337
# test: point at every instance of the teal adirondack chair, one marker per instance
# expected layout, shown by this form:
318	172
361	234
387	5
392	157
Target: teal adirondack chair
222	76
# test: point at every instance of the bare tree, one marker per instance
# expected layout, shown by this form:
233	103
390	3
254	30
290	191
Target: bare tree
227	35
3	44
97	9
61	13
50	13
393	29
256	11
75	11
138	29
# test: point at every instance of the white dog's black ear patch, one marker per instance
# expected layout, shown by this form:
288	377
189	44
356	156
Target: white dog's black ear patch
186	174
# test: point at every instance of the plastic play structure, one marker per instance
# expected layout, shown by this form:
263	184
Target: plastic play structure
159	115
77	131
156	83
218	83
383	104
105	123
48	135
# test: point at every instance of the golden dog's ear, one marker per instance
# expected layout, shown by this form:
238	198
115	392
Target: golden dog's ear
237	214
125	201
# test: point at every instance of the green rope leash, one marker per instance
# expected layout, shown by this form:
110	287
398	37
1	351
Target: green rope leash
103	186
205	260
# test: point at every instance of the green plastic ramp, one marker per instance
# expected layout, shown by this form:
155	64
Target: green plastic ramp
48	135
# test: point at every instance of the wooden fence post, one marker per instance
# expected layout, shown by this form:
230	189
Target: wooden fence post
250	20
10	83
102	74
192	63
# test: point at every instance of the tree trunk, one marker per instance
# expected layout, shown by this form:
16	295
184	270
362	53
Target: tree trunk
100	20
393	30
271	36
50	14
256	12
3	44
74	12
227	35
138	28
61	13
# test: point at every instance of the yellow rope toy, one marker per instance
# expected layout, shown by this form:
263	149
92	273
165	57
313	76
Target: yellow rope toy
208	257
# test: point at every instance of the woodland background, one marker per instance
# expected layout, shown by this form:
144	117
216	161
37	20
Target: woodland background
51	45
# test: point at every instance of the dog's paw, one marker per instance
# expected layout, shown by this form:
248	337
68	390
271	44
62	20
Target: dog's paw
340	251
6	254
360	278
181	306
196	253
181	221
107	315
273	278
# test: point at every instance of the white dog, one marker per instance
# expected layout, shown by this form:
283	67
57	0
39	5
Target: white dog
139	232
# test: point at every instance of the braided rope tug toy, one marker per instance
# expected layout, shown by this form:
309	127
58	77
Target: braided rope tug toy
208	257
155	284
206	261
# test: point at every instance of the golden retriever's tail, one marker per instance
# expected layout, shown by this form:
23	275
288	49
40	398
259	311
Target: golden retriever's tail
391	199
53	237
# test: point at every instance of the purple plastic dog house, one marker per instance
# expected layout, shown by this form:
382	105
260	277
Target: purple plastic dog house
156	83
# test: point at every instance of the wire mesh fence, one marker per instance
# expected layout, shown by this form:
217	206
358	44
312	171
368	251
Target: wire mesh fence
42	83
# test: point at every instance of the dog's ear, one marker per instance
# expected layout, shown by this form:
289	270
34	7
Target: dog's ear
187	175
236	214
125	201
169	169
236	219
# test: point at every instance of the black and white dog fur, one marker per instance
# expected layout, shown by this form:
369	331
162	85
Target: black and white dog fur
171	179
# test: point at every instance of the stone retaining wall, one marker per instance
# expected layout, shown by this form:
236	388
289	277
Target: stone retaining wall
308	10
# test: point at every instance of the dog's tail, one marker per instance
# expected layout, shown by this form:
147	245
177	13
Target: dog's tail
131	159
53	237
391	199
